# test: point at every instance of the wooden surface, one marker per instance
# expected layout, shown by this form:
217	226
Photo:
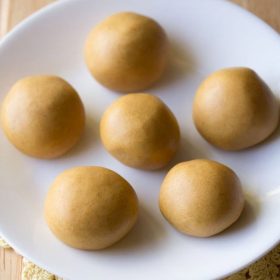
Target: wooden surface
13	11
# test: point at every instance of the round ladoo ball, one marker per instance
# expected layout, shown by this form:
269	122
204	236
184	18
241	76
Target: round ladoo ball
43	116
140	131
127	52
201	197
90	208
234	109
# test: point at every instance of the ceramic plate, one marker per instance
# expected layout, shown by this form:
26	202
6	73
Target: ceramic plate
205	36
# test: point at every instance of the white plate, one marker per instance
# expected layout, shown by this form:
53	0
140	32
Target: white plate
206	35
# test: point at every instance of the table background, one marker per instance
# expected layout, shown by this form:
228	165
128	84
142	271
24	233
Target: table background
13	11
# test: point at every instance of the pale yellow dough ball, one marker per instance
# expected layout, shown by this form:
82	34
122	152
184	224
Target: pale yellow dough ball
43	116
90	208
140	131
234	109
201	197
127	52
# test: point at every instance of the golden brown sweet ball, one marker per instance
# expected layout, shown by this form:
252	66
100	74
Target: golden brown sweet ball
43	116
90	208
234	109
201	197
127	52
140	131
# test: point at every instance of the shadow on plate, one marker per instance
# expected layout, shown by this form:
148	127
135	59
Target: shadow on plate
187	151
248	216
181	64
147	233
274	136
88	138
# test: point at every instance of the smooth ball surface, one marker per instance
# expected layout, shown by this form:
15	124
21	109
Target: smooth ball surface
43	116
90	208
140	131
234	109
201	197
127	52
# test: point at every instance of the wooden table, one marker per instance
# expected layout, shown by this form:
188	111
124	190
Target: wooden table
13	11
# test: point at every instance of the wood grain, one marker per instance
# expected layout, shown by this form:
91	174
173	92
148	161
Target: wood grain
13	11
10	265
268	10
